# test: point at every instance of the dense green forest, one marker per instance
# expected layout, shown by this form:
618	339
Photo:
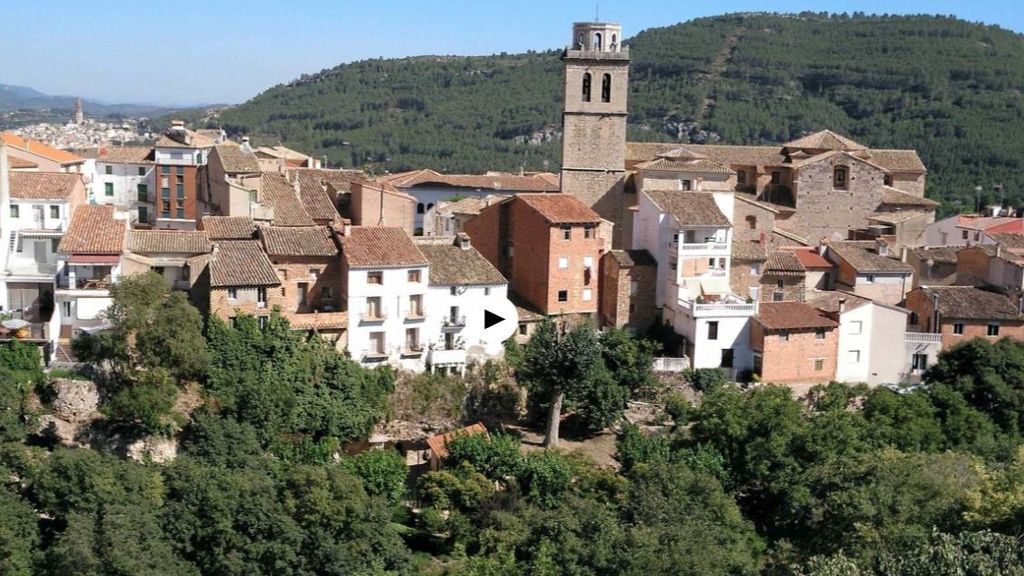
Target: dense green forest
949	88
848	482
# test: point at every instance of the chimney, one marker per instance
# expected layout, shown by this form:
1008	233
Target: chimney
999	250
903	254
245	144
462	240
842	305
346	230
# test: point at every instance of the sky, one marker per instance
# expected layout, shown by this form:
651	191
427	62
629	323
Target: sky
190	52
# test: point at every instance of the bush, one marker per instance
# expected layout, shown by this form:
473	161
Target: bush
145	404
383	473
497	456
547	477
677	407
705	379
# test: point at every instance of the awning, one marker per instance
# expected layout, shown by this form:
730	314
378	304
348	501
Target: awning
101	259
714	286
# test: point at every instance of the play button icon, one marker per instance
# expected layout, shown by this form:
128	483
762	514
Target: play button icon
501	320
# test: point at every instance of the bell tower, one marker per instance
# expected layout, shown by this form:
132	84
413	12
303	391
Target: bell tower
594	115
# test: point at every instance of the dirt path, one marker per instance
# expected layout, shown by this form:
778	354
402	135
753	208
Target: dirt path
718	66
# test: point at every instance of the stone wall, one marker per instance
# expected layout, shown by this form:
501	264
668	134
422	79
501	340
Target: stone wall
628	295
828	213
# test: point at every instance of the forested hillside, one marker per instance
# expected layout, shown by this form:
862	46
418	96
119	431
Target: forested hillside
950	89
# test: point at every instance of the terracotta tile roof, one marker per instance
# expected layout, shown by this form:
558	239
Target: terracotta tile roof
185	139
689	208
93	230
969	303
828	302
317	202
825	140
1008	241
318	321
470	206
490	181
994	223
748	251
341	180
897	160
380	247
864	257
451	265
897	197
439	444
685	166
897	217
784	263
279	194
527	312
560	208
810	258
723	154
235	159
282	152
228	227
792	316
296	241
42	185
126	155
168	242
630	258
1014	227
38	148
241	263
938	254
20	164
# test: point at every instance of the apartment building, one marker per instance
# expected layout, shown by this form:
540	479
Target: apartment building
126	179
177	156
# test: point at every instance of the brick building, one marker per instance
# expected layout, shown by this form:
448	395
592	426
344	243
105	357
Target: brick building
177	156
628	278
548	246
381	204
960	313
794	343
239	279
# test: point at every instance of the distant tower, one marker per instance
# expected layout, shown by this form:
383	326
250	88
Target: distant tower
79	113
594	123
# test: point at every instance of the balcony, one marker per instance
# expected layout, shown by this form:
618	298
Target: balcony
447	357
729	307
414	315
922	338
454	322
76	283
372	355
373	316
413	351
701	249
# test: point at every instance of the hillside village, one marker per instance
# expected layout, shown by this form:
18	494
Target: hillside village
798	263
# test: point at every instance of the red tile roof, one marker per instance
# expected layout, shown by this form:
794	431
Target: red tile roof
241	263
560	208
439	443
168	242
43	185
94	230
298	241
809	257
228	227
491	181
126	154
380	247
40	149
277	192
792	316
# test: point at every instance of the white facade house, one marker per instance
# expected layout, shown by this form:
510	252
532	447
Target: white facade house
126	179
463	284
690	238
870	334
35	209
386	283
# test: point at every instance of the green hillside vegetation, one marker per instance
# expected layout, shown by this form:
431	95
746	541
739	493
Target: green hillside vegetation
949	88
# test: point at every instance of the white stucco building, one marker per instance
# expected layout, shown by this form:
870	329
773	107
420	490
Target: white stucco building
126	179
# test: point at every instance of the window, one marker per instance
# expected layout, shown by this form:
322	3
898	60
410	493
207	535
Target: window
15	209
755	268
179	180
314	273
179	170
993	329
727	358
412	339
563	295
261	297
588	261
523	329
180	190
776	177
586	87
54	211
165	193
301	295
965	234
108	189
262	321
819	364
108	169
165	169
784	335
54	243
373	309
854	356
780	284
420	208
752	222
778	296
375	278
414	276
563	262
634	287
566	233
819	334
588	233
839	176
487	290
713	330
180	214
142	193
588	294
454	290
958	329
377	343
143	214
66	307
856	327
142	170
919	362
416	305
686	185
887	180
326	293
606	88
869	278
232	293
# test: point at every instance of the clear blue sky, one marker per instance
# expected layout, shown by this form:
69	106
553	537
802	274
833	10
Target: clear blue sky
212	51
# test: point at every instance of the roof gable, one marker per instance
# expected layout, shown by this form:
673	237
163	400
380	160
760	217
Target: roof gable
689	208
93	230
380	247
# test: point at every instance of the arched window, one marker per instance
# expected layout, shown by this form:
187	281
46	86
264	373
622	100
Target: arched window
579	42
606	88
840	176
741	176
887	180
420	209
429	206
586	87
597	41
615	42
